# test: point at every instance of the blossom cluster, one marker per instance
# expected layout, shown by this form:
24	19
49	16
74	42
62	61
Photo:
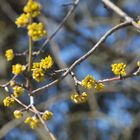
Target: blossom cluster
47	115
35	30
9	55
18	114
39	68
18	69
119	69
79	98
18	91
32	8
8	101
33	121
88	82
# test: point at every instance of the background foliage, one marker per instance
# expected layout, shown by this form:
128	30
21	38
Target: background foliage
109	115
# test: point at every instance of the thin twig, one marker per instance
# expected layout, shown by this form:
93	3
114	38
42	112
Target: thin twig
51	136
74	5
6	84
12	79
76	82
28	84
120	12
22	104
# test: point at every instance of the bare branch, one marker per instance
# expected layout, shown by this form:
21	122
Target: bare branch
74	5
121	13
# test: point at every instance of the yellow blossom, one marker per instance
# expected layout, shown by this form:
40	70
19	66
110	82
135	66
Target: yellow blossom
119	69
32	121
17	69
138	63
46	63
99	86
88	82
79	98
36	31
36	65
23	20
138	22
9	54
18	91
28	119
38	74
12	83
47	115
18	114
33	8
8	101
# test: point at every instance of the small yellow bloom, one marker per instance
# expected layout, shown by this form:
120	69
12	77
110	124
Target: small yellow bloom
47	115
17	69
36	31
18	91
18	114
23	20
76	98
88	82
36	65
12	83
32	121
9	54
8	101
99	86
28	119
138	22
33	8
38	74
46	63
119	69
138	63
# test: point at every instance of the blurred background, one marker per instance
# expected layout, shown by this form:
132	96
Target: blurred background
114	113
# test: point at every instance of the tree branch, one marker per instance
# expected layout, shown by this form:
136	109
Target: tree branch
81	59
121	13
